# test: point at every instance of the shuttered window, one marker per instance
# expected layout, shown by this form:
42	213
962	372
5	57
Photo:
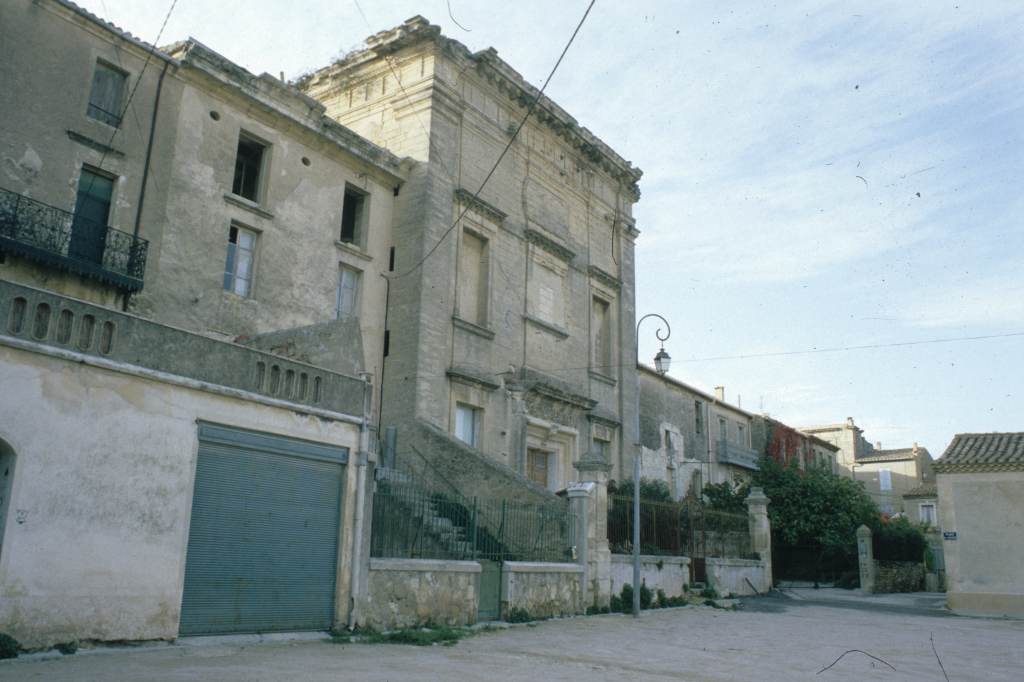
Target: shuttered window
107	94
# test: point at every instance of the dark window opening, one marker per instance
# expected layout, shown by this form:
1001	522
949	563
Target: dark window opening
248	164
352	216
387	342
92	211
391	259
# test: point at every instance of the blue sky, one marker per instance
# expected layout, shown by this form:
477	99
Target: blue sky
816	175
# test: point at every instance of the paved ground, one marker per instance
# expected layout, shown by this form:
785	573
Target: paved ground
784	637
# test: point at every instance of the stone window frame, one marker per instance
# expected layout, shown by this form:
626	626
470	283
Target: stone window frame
482	221
361	223
357	292
605	370
563	443
470	393
482	319
540	258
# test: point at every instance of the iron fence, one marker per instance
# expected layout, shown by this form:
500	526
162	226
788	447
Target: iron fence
59	238
411	522
671	528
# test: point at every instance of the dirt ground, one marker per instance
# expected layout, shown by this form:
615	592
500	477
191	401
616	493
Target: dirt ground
771	638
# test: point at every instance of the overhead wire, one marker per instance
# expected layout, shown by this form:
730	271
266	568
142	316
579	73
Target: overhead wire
504	151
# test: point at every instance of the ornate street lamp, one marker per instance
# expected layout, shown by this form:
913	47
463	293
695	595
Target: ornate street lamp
661	364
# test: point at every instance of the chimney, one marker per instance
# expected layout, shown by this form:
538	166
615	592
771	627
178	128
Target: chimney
849	422
878	445
915	448
720	393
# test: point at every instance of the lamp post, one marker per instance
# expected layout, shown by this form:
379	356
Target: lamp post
661	363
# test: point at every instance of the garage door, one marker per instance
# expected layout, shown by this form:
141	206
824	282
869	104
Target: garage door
263	540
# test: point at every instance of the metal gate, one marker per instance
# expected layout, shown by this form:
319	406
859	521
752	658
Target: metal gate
490	590
263	541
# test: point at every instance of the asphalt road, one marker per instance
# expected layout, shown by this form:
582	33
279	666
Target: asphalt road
772	638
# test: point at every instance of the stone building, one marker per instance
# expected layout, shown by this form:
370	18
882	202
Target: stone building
981	505
691	438
191	320
511	303
887	475
849	438
787	445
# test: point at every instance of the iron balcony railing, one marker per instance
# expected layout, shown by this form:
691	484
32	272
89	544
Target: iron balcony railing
62	240
730	453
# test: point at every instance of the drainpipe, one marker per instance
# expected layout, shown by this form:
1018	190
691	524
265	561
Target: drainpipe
145	166
362	463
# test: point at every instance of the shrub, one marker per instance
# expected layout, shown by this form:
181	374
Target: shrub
627	598
662	599
898	540
615	605
709	593
651	489
519	615
646	596
68	648
8	646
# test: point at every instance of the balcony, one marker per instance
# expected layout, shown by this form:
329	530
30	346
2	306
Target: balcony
54	237
738	455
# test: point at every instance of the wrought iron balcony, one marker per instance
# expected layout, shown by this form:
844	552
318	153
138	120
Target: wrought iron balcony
738	455
59	239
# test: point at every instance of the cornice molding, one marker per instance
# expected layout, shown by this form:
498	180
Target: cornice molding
480	206
606	278
548	244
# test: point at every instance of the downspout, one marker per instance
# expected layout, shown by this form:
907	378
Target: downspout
145	166
362	463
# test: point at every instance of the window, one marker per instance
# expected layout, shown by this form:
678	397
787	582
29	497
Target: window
239	265
698	416
353	216
927	513
92	211
473	290
537	466
601	449
601	332
884	479
723	430
546	294
248	167
742	435
107	94
348	292
467	424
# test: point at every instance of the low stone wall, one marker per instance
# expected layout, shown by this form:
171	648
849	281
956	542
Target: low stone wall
541	589
898	576
668	573
409	592
731	576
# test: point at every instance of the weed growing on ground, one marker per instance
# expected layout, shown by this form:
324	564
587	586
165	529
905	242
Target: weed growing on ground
425	636
8	646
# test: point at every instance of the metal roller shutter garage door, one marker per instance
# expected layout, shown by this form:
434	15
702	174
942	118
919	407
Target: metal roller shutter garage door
263	540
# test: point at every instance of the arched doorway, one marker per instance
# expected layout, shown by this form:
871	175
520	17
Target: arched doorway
6	486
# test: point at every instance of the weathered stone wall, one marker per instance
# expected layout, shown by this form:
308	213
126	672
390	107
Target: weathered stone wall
542	590
668	573
412	592
730	576
94	547
550	203
898	576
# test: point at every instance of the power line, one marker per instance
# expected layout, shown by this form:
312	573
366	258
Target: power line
504	151
836	349
138	81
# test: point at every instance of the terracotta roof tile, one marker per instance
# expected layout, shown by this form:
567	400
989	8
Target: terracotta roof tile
983	452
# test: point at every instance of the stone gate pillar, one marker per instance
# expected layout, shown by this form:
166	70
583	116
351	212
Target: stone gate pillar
866	559
598	567
760	530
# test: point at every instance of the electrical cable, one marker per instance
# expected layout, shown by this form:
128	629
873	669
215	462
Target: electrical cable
504	151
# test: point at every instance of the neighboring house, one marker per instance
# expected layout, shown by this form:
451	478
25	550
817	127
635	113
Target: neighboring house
208	203
921	505
786	445
981	506
691	438
849	438
511	307
888	474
